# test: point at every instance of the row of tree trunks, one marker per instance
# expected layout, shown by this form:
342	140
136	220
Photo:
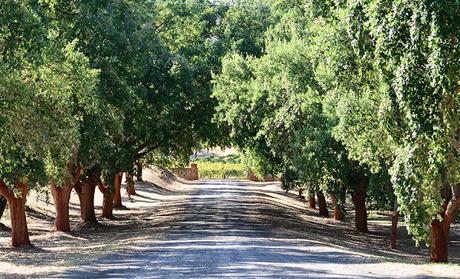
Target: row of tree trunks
323	211
359	201
61	196
17	205
111	197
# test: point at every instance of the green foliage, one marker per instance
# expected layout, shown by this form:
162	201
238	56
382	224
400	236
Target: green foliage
188	30
401	109
381	194
321	92
242	27
274	108
348	87
42	76
103	84
154	94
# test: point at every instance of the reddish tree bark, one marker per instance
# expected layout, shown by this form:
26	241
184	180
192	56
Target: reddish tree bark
359	202
440	229
117	203
322	204
439	242
394	227
107	203
61	197
85	190
17	205
311	199
338	213
130	188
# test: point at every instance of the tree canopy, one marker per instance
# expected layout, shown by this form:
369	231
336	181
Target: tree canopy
351	90
338	97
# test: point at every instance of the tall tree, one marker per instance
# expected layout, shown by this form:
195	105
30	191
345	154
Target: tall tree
417	57
42	74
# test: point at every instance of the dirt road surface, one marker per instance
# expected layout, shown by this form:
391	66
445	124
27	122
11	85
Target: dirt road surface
215	229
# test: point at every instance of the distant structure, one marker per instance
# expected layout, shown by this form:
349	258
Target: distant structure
252	177
190	173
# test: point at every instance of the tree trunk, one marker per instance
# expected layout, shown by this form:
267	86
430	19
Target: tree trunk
117	195
61	197
311	199
107	205
359	202
17	205
338	212
139	171
19	231
322	204
107	202
300	196
85	191
439	242
440	229
130	188
394	226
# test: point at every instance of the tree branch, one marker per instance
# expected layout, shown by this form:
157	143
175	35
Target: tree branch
103	188
77	187
146	151
5	191
452	206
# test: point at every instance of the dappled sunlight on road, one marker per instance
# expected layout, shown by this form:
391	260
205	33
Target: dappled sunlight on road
222	229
